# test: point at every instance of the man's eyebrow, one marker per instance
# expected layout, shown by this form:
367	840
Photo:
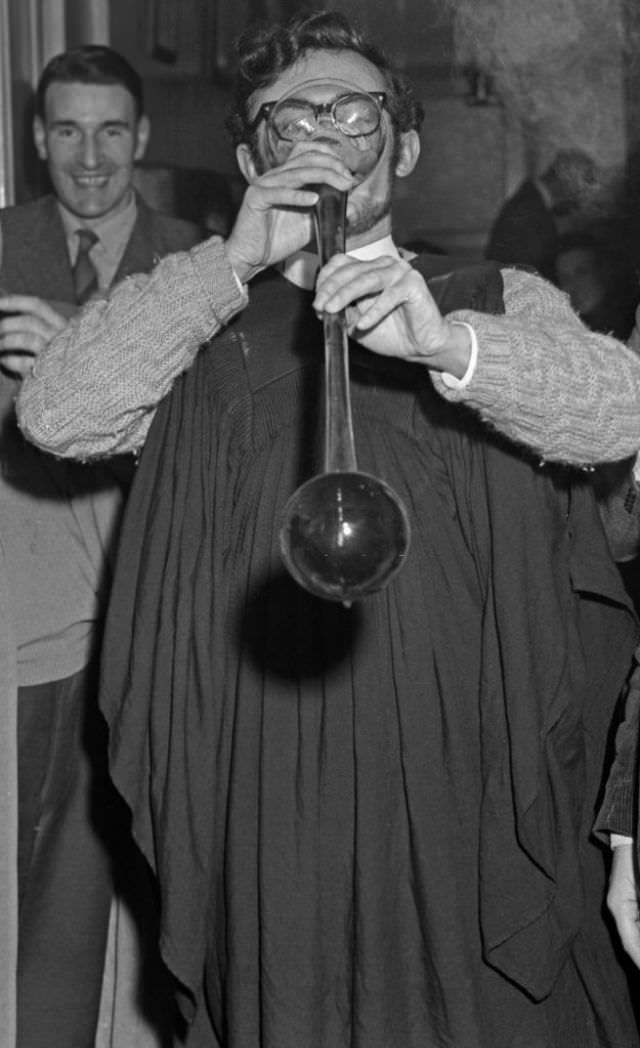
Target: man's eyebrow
69	122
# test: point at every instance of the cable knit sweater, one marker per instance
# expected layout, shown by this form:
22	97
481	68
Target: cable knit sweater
542	377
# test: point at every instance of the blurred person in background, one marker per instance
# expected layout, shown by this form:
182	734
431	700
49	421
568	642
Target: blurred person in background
602	289
529	224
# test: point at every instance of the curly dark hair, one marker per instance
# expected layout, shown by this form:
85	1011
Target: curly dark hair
265	52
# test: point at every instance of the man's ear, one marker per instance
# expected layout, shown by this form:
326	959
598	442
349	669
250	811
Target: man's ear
143	131
40	138
246	162
408	153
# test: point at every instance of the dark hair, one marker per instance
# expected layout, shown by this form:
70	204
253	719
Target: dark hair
265	52
90	64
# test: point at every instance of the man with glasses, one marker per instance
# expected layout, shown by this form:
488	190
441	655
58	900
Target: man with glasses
369	825
354	114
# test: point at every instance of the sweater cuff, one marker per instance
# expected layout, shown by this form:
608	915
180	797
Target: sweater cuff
224	293
487	383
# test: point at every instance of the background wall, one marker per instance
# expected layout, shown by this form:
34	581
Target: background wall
551	87
504	83
470	154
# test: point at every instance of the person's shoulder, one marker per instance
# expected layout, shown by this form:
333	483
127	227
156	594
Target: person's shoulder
174	234
525	201
28	212
179	229
528	189
432	266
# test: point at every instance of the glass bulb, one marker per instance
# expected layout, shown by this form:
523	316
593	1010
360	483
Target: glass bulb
344	535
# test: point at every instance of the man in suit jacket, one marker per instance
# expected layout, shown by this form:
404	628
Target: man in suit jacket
58	525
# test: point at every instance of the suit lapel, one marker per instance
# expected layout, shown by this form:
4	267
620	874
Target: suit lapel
44	256
141	253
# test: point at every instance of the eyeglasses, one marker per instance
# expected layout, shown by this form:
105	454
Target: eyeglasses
294	119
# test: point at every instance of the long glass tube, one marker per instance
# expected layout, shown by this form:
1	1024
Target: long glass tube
344	533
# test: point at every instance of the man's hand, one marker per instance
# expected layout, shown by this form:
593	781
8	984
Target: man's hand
622	900
390	310
275	217
27	325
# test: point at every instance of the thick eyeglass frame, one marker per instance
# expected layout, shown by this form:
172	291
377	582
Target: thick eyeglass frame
266	109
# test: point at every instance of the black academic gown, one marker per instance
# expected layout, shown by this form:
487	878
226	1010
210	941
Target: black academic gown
370	826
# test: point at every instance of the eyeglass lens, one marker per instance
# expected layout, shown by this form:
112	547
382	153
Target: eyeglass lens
354	115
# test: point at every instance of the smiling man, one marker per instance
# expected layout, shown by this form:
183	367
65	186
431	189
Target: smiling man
369	826
90	140
57	524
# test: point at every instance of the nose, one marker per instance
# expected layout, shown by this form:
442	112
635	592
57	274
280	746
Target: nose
325	121
90	151
324	117
324	128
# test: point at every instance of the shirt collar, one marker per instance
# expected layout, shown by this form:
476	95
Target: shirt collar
113	230
301	268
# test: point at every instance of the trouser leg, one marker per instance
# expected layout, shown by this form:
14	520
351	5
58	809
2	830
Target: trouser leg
64	872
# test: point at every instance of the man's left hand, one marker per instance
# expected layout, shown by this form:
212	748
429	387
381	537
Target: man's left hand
390	310
27	325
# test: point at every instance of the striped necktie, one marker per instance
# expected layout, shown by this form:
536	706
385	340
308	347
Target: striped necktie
85	277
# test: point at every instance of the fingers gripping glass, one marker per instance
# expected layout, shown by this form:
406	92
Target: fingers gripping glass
354	115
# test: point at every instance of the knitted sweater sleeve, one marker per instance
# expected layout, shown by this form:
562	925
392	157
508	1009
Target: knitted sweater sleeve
542	378
95	388
548	382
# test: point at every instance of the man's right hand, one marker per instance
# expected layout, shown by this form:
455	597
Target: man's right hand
622	900
275	217
27	325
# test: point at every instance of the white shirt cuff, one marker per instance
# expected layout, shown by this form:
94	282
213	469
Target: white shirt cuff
459	383
616	839
636	469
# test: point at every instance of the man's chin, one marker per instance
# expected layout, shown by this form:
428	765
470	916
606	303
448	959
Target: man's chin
86	206
367	219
